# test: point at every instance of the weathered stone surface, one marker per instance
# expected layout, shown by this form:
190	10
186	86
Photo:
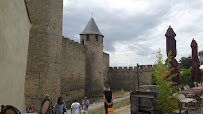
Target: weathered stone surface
55	65
106	65
127	78
73	70
94	64
59	66
44	53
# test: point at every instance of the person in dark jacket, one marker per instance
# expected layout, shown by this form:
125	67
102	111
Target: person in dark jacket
60	106
108	97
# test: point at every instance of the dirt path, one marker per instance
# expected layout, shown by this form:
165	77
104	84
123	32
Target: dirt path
123	110
98	108
118	105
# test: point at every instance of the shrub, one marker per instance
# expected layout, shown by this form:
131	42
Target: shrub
165	100
185	75
153	79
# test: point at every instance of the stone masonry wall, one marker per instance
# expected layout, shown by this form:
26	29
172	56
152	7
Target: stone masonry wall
58	66
73	70
201	56
106	65
44	51
94	65
127	78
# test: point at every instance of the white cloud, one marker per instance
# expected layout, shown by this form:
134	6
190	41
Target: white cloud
135	29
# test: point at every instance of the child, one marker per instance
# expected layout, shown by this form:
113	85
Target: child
30	110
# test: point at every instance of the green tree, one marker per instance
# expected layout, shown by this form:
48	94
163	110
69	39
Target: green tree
185	62
201	62
185	75
165	101
153	78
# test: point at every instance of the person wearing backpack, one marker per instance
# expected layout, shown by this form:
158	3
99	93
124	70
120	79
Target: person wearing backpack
60	106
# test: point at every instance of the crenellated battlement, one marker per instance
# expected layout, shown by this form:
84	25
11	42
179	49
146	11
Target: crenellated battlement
72	42
105	53
126	77
132	68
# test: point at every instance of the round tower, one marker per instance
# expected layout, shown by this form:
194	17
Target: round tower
93	41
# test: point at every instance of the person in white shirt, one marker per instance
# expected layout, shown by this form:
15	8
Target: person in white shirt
75	108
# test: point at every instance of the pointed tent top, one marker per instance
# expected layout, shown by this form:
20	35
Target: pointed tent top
91	28
193	43
170	32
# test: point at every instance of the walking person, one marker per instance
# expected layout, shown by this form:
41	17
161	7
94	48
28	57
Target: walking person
122	91
60	106
85	105
75	108
47	105
108	97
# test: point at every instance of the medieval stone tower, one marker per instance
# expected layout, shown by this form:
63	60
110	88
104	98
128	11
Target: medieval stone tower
93	40
43	60
57	65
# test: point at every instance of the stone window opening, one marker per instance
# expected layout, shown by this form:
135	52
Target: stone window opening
96	39
83	42
87	37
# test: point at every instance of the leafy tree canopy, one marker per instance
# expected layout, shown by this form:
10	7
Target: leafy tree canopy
185	62
185	77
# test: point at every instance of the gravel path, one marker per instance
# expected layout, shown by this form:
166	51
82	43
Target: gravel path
100	104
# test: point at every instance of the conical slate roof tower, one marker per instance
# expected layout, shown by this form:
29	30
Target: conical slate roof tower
92	39
91	28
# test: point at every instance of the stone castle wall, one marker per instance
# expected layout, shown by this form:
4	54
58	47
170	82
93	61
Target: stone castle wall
201	57
44	51
127	78
73	70
106	65
56	65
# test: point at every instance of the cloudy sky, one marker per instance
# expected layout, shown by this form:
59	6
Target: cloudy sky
134	30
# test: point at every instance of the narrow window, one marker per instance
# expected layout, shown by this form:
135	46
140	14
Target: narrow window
83	42
87	37
96	39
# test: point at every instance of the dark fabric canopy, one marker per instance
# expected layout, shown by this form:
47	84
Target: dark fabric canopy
170	42
171	46
195	71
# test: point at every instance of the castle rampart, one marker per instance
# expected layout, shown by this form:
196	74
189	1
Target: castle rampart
73	70
106	65
124	77
56	65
